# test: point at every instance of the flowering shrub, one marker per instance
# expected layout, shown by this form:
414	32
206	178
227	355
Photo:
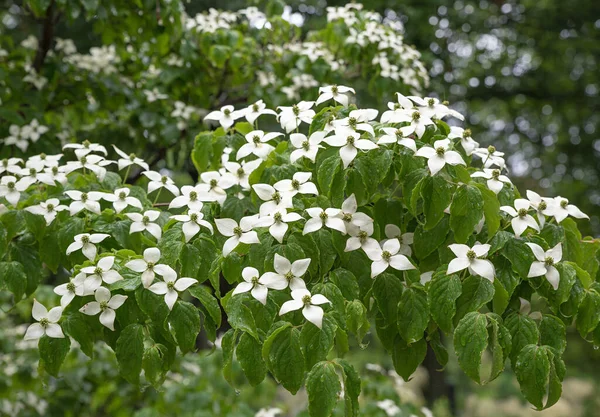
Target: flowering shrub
303	238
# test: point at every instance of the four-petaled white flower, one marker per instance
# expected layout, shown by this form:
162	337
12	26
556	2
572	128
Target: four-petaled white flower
128	160
158	181
171	286
286	273
470	258
192	197
351	217
360	237
69	290
241	233
393	135
494	177
149	266
525	309
490	157
298	184
106	305
306	147
241	171
11	188
101	272
191	223
467	142
253	111
94	163
324	217
121	199
439	155
82	149
277	222
85	242
257	144
418	124
273	199
545	263
302	299
561	209
336	92
521	219
215	184
49	209
542	205
10	165
349	143
254	283
291	117
47	322
141	222
406	239
89	201
387	255
226	116
357	120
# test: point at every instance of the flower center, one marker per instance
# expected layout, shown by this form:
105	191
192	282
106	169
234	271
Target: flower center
54	170
277	217
334	89
306	145
399	134
416	116
347	217
170	285
194	217
295	110
256	139
145	220
289	276
549	261
150	265
213	183
11	185
50	207
85	239
32	172
240	172
255	108
564	203
362	235
440	151
71	287
83	160
295	184
237	231
84	197
86	144
431	102
103	305
445	102
5	162
467	133
193	195
131	156
522	212
352	122
44	322
471	254
98	271
385	255
254	280
397	106
350	140
276	197
323	216
491	149
542	205
122	195
227	112
164	179
496	174
306	299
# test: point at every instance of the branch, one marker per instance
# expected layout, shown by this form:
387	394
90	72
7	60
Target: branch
46	38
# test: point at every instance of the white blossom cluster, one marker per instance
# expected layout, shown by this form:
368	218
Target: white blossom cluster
101	59
22	136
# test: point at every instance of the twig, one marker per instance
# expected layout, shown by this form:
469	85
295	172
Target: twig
46	38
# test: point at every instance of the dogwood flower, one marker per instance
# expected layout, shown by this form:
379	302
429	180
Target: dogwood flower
49	209
106	305
431	107
273	199
94	163
241	233
439	155
85	242
241	171
393	135
360	238
56	174
149	266
171	286
192	197
11	188
336	92
495	180
561	209
69	290
351	217
521	219
216	184
349	143
226	116
257	286
298	184
128	160
89	201
121	199
306	147
324	217
470	258
542	206
158	181
389	407
84	148
491	157
191	223
357	120
277	222
10	165
145	221
525	309
406	239
467	142
398	112
286	273
545	263
302	299
102	271
257	144
35	173
47	322
386	256
418	124
291	117
253	111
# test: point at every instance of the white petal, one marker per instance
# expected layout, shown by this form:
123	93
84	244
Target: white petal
107	318
313	314
34	331
290	306
456	265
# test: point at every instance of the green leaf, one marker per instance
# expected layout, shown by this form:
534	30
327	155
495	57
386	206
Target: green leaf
227	346
53	353
130	352
491	209
218	55
476	291
240	316
323	388
153	364
317	343
356	319
248	352
499	344
351	387
588	315
191	260
519	255
428	241
13	278
466	211
553	333
436	193
373	167
326	172
470	340
185	325
413	314
285	358
171	245
540	374
440	351
443	292
208	301
77	327
202	152
407	358
327	253
387	291
523	330
346	282
36	224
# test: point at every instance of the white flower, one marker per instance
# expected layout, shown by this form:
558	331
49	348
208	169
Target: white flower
351	217
94	163
470	258
89	201
85	242
128	160
257	144
253	111
268	412
335	92
349	143
35	172
525	309
226	116
216	184
191	196
298	184
257	286
121	199
406	239
47	161
357	120
241	172
149	266
393	135
242	233
431	107
158	181
542	205
490	157
291	117
144	221
10	165
545	263
277	222
389	407
324	217
105	305
49	209
398	112
82	149
55	174
102	271
360	238
561	209
191	223
386	256
439	155
302	299
306	147
273	199
286	274
171	286
11	189
521	219
69	290
495	180
467	142
418	124
47	322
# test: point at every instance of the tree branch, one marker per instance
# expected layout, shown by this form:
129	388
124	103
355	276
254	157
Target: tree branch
45	38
